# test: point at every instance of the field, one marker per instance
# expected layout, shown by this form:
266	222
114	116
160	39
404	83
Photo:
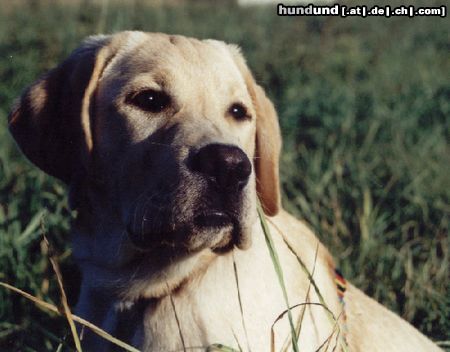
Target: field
364	106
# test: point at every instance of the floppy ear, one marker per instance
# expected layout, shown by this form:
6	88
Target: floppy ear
51	120
267	153
268	141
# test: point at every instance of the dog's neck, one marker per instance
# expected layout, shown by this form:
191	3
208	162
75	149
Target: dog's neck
212	305
125	315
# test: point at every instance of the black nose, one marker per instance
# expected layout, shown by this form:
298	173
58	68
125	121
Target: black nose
226	165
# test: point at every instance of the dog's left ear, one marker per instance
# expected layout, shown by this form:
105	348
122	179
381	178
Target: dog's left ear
51	120
268	141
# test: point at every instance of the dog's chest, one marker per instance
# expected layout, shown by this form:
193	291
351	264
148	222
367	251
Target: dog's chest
233	308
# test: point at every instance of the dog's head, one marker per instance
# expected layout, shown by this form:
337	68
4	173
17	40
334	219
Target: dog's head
166	139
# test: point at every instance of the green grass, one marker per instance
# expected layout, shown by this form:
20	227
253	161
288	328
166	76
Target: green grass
364	106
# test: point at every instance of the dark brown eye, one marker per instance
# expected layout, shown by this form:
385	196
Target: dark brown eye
150	100
238	111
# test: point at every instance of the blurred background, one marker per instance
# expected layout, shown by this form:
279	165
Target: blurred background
364	106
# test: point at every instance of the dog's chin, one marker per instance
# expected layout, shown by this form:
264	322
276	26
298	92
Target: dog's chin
174	263
218	239
214	230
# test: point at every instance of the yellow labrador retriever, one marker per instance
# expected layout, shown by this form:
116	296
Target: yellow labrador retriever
166	142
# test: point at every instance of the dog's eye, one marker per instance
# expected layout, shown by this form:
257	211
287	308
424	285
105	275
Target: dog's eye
238	111
151	100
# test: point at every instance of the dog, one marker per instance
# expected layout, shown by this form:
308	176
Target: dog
167	144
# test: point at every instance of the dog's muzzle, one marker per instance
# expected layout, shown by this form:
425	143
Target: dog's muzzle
211	217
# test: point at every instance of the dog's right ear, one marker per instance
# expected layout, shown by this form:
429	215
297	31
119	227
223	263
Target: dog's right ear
267	153
51	120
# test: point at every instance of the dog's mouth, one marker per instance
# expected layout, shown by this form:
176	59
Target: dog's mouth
213	219
221	228
214	229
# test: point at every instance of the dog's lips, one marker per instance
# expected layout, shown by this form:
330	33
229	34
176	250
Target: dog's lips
219	227
212	228
213	219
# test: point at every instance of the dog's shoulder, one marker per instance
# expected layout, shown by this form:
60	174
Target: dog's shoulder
372	327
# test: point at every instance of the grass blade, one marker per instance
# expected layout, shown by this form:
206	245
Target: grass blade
178	321
32	226
299	324
50	307
237	341
65	304
220	347
240	304
272	329
279	272
311	279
